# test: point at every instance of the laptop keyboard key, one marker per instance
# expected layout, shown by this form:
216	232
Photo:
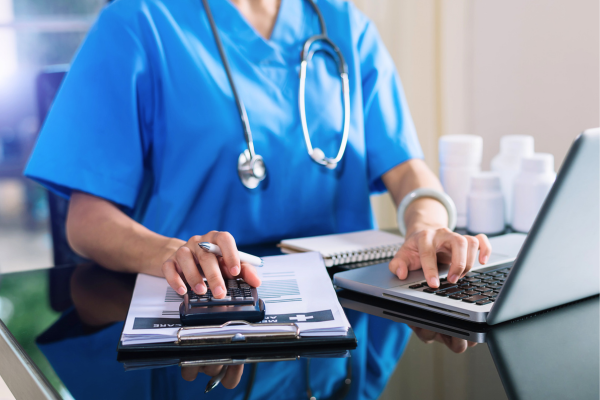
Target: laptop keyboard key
454	290
443	293
471	292
446	285
478	284
490	281
459	296
483	302
474	299
418	285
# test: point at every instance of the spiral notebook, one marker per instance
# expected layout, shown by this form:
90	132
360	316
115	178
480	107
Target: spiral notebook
347	248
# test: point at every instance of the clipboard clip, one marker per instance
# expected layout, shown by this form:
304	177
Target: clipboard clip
246	337
235	361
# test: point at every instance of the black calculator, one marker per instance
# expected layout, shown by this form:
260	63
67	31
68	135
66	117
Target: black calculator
240	303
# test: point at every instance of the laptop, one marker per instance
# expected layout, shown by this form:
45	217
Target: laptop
558	263
551	355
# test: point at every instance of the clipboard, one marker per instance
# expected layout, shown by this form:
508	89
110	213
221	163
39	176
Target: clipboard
245	341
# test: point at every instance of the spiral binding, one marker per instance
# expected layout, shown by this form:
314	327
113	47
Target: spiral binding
372	253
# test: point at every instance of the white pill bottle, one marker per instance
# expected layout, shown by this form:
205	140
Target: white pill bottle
512	149
485	204
460	158
531	186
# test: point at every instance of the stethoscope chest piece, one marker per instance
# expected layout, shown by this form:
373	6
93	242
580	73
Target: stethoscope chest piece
251	170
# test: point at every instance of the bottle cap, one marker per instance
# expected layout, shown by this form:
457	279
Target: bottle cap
540	163
488	181
460	150
517	145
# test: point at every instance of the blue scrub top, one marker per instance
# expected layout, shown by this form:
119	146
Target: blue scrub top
146	119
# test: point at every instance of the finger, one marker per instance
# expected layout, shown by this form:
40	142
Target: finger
189	373
455	344
424	335
459	246
399	266
232	376
250	275
471	344
472	247
226	243
427	255
212	370
224	270
485	248
173	278
210	268
187	263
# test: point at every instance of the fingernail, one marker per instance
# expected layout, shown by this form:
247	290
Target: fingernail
199	288
181	291
235	270
434	282
485	259
219	290
453	278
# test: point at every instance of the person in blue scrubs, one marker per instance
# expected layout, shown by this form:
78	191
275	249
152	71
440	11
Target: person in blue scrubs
144	138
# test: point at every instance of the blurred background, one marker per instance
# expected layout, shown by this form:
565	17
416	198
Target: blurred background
482	67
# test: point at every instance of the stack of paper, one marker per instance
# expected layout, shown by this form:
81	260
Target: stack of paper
295	288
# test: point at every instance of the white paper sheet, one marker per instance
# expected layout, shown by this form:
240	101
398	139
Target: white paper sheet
295	288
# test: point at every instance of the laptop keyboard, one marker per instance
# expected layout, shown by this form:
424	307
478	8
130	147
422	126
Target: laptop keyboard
479	287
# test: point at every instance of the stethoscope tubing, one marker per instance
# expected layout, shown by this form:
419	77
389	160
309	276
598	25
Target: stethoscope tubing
238	101
251	167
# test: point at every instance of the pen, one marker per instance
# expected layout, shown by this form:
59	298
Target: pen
214	382
244	257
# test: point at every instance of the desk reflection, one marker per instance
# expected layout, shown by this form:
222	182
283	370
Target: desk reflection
549	355
81	346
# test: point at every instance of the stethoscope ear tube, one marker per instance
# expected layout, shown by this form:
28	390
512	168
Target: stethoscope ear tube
315	153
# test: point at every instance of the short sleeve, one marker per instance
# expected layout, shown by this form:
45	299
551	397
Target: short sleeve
391	138
92	139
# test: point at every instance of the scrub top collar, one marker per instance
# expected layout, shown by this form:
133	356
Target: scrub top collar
295	23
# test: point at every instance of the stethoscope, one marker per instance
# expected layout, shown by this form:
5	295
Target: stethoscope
251	166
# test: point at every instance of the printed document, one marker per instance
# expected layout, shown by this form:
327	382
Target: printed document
295	288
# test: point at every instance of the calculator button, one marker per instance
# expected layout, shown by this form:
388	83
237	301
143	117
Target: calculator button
238	298
203	299
249	298
226	298
193	299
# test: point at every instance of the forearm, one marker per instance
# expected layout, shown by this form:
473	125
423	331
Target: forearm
423	213
98	230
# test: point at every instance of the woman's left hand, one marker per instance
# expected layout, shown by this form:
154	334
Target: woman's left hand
453	343
427	247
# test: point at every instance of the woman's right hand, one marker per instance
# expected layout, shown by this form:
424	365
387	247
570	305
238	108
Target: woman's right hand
194	264
230	380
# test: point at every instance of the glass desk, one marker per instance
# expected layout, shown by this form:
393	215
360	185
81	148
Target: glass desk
402	352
